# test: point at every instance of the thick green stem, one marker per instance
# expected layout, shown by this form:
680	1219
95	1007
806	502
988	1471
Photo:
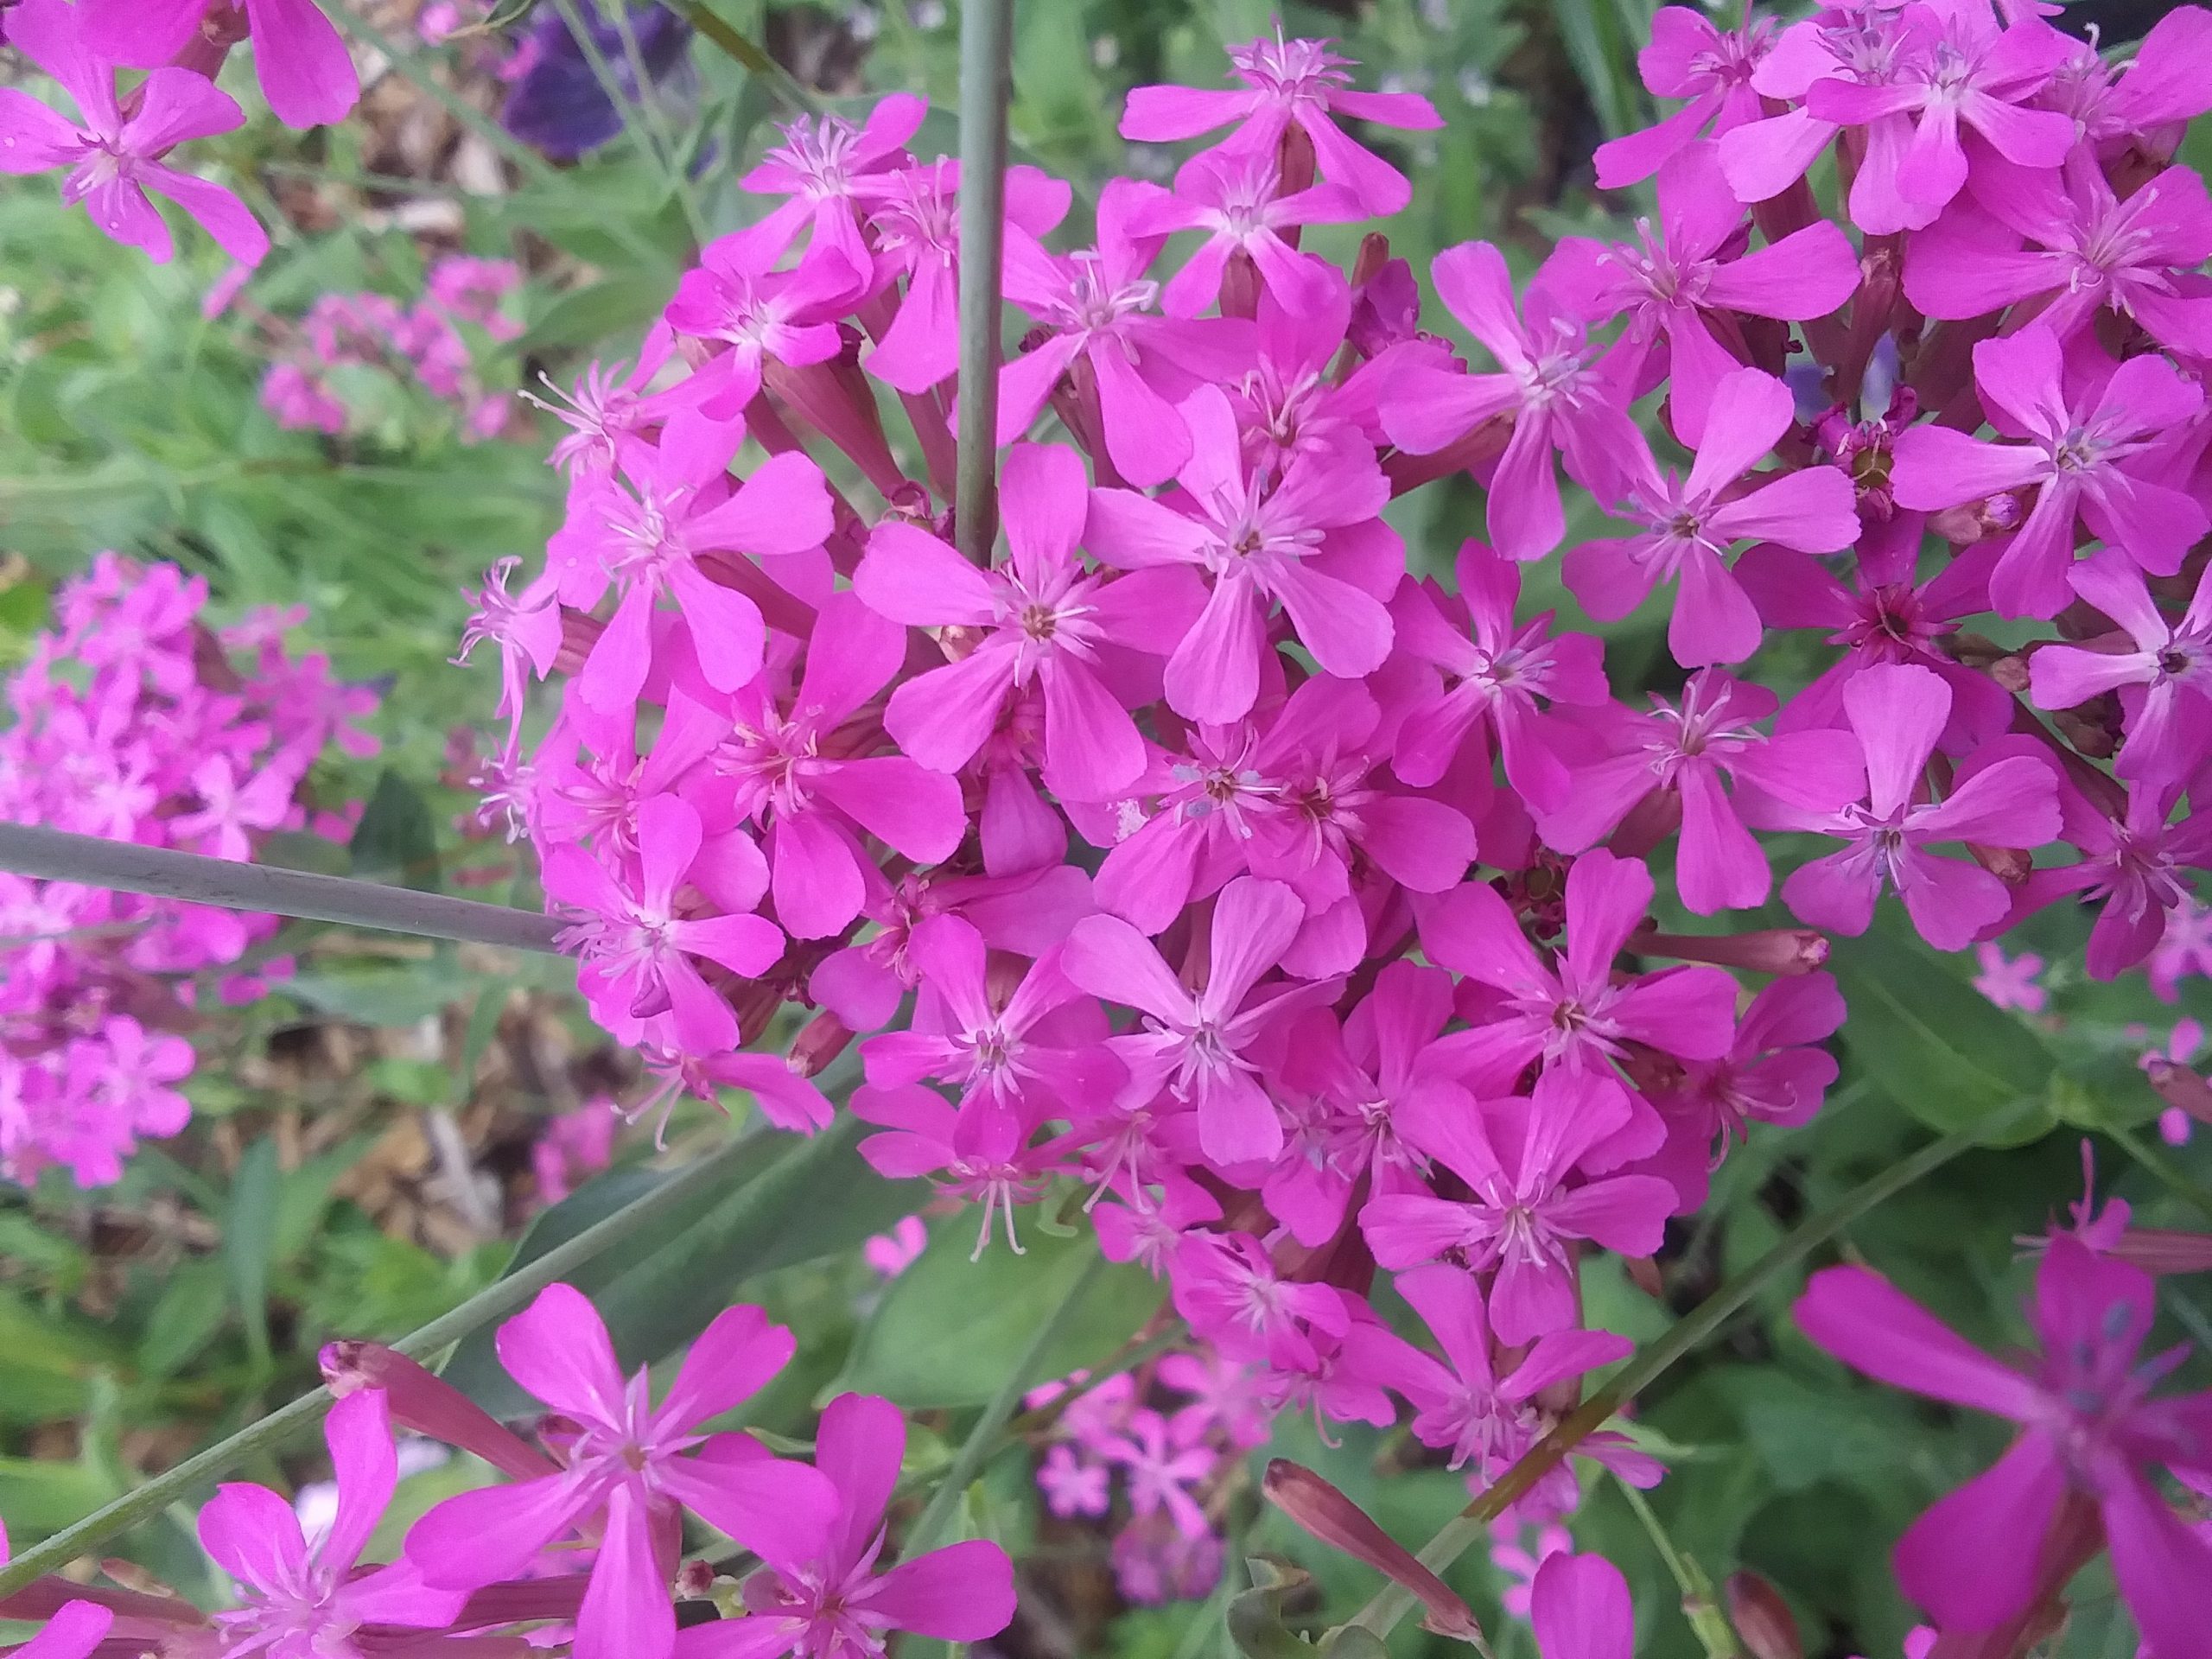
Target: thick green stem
1394	1602
983	1438
986	87
493	1302
58	856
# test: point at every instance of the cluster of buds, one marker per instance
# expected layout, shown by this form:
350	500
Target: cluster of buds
134	720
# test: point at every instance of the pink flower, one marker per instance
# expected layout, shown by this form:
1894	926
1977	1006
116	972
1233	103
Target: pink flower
1954	67
654	538
1196	1041
734	299
2166	682
1341	1088
1674	760
1548	381
1581	1608
526	627
1238	202
1494	671
982	1157
2185	948
891	1254
636	953
1680	286
1073	1486
809	802
1230	1291
575	1144
230	808
1312	539
2010	981
306	71
1289	82
75	1631
302	1597
2083	452
1882	613
1570	1013
1162	1460
2133	860
821	167
2088	251
1688	56
2089	1428
1690	523
1050	624
624	1462
1898	712
113	162
1028	1052
914	214
1515	1156
1462	1404
828	1599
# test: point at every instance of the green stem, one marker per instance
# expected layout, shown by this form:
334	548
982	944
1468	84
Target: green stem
125	867
2163	1169
493	1302
1394	1602
657	118
734	45
986	88
1700	1606
983	1438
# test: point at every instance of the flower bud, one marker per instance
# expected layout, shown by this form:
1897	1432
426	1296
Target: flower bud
430	1405
1762	1620
1337	1522
1784	950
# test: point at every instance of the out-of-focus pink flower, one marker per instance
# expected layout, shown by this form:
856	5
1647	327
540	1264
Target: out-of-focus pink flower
2089	1430
2010	981
891	1254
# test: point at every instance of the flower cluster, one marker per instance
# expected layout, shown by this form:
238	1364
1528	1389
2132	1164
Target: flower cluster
1303	907
118	145
583	1545
1173	1459
429	341
134	720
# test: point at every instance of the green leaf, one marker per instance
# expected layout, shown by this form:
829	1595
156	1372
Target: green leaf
250	1239
1933	1044
619	307
185	1318
795	1201
949	1330
40	1496
396	840
380	993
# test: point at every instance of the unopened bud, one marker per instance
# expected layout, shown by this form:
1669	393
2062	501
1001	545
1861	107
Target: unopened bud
821	1040
1762	1620
430	1405
1337	1522
2180	1087
1784	950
